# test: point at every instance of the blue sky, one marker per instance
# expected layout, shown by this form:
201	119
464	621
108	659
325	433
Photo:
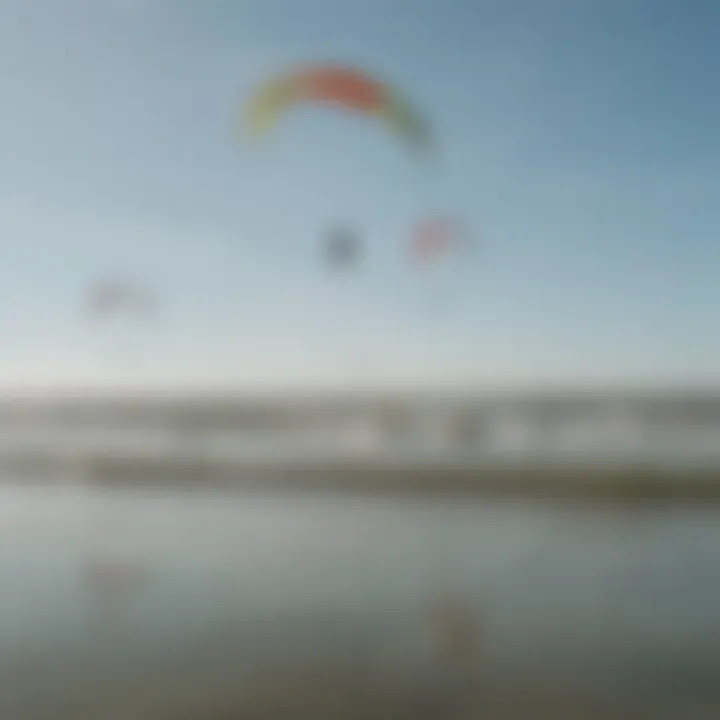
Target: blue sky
579	143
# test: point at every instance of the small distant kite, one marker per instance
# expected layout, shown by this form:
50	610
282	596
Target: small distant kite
110	298
342	86
342	248
434	238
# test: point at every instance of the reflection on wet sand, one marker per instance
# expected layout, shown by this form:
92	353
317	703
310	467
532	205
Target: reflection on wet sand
339	606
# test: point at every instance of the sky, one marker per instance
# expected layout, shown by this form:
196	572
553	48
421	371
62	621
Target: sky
577	143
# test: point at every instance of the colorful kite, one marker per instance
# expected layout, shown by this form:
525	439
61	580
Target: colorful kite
336	85
433	238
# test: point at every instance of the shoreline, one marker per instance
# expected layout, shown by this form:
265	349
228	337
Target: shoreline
376	476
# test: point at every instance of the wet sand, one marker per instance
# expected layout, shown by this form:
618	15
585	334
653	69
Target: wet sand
320	606
226	689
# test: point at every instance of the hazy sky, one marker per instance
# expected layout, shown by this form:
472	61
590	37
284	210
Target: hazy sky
579	143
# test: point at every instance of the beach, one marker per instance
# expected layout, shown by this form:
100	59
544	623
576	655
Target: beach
234	560
393	476
322	604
